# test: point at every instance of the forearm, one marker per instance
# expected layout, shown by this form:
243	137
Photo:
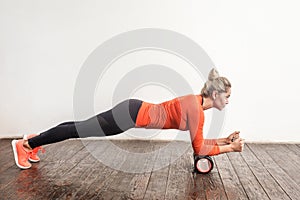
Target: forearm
224	145
235	146
222	141
218	146
226	148
219	141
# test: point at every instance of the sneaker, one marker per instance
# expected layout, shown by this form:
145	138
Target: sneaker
33	157
21	154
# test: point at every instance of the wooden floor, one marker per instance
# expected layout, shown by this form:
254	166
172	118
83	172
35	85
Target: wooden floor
69	171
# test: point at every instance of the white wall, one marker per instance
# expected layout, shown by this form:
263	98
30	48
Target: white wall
253	43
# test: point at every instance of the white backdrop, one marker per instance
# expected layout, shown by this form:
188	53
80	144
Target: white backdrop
253	43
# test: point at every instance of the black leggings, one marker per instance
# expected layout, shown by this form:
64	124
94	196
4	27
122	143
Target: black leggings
114	121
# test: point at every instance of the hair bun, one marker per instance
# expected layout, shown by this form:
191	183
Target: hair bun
213	74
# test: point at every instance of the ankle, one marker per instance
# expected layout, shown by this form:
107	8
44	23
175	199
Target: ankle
26	145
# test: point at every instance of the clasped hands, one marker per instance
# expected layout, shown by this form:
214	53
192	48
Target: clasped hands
236	143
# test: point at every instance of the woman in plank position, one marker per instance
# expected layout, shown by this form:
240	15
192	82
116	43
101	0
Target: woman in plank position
183	113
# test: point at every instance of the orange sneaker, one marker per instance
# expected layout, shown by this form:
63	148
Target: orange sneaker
21	154
33	157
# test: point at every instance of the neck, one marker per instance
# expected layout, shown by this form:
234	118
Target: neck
207	103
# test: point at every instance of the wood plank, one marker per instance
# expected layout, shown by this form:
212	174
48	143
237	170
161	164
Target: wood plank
26	181
140	181
6	161
293	147
248	180
43	177
70	153
290	187
265	179
157	183
138	185
4	144
90	175
118	186
9	175
231	182
17	180
71	181
207	186
87	173
213	185
135	163
180	173
295	152
68	170
6	158
65	188
99	177
282	155
197	188
107	174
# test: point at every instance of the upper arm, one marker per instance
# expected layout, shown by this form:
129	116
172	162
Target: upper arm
195	118
196	122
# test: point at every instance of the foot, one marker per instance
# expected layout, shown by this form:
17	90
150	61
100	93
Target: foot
21	154
33	157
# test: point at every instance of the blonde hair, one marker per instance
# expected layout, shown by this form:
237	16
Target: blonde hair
215	82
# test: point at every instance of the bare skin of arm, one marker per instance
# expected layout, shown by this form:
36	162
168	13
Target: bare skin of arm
232	137
233	143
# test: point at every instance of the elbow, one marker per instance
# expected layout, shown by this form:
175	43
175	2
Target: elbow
210	150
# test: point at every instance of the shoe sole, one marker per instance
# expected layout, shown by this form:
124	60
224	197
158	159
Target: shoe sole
14	146
35	161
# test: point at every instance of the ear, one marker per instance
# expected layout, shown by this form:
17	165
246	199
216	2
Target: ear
214	94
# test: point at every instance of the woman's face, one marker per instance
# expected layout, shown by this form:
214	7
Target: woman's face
221	99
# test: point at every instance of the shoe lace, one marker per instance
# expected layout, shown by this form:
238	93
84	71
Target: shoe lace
40	148
28	154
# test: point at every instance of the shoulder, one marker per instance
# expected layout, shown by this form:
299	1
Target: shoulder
194	110
188	97
194	101
191	104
